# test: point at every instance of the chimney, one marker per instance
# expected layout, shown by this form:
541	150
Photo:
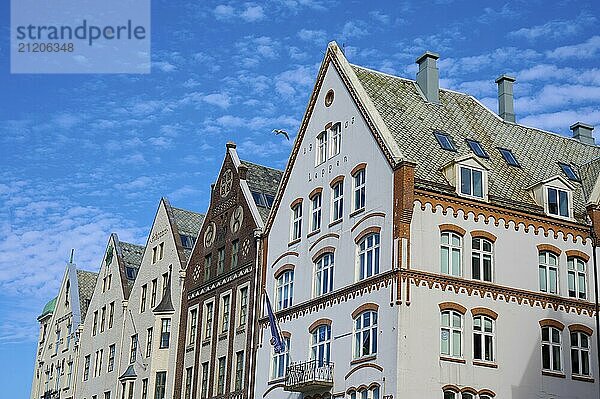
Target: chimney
583	132
230	144
506	105
243	171
428	77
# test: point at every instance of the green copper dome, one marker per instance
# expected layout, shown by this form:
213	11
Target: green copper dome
49	308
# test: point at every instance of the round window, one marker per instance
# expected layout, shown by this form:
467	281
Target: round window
329	98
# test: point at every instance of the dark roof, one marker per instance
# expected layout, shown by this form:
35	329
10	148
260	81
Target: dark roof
48	308
132	259
411	121
166	304
588	174
188	222
86	282
129	374
264	180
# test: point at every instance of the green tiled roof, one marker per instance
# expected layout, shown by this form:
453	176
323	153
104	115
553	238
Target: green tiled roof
188	222
86	282
411	121
262	179
132	258
48	308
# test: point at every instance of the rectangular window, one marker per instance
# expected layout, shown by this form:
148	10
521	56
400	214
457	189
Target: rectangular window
193	322
111	315
149	342
188	382
221	260
161	250
483	338
100	356
208	321
86	368
207	264
239	370
111	358
280	361
316	212
471	182
153	294
337	208
444	141
297	222
359	189
131	389
569	171
95	326
243	306
365	334
321	148
102	318
143	298
551	349
57	344
145	388
159	388
69	333
165	333
133	348
336	138
225	313
548	272
508	156
284	290
558	202
165	277
477	148
451	333
368	256
481	259
154	255
576	276
204	382
451	254
69	375
221	376
580	354
324	273
235	247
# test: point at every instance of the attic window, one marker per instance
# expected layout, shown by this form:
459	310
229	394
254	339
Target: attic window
270	199
477	148
130	272
187	241
444	140
259	199
508	156
471	182
568	170
558	202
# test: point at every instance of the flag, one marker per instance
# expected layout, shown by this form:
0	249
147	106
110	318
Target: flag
276	338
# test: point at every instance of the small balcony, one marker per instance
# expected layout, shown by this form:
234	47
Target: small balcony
313	375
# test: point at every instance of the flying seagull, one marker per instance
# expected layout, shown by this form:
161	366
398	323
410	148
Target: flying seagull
280	131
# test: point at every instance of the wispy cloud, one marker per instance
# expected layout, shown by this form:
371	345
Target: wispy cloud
588	49
558	28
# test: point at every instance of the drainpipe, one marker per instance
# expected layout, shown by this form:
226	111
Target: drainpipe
596	305
255	311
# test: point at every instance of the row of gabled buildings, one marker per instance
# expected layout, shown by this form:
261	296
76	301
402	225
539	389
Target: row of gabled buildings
416	245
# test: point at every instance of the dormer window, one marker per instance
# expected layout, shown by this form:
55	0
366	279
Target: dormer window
558	202
321	148
471	182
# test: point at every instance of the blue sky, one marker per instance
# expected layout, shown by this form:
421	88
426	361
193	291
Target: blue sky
86	155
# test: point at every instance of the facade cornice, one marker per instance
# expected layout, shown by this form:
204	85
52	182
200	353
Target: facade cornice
216	283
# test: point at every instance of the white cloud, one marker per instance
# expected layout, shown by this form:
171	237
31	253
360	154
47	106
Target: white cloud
354	29
252	13
556	29
380	17
588	49
316	36
561	120
139	183
164	66
293	81
554	97
223	11
219	99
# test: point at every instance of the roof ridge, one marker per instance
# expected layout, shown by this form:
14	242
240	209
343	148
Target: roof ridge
187	210
262	166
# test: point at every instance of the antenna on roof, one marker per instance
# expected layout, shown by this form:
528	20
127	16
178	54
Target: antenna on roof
72	254
344	48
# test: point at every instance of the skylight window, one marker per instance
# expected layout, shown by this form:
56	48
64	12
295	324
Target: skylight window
509	157
259	199
444	140
568	170
477	148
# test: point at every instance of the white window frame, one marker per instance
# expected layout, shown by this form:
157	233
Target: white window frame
238	377
481	334
280	361
579	352
284	290
225	312
569	198
366	252
324	271
576	277
481	255
552	346
209	314
471	189
296	231
449	330
359	196
547	267
316	202
335	133
451	248
363	332
320	344
321	148
220	386
242	305
337	201
193	325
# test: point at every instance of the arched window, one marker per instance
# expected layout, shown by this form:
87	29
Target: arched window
482	259
576	277
451	334
548	272
368	256
284	290
321	148
451	253
580	353
365	393
281	361
337	201
297	221
316	202
336	138
359	178
450	394
324	274
551	349
365	334
484	337
320	346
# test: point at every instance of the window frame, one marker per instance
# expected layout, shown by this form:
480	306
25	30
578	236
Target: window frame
296	225
193	325
548	267
359	184
316	204
225	312
165	333
451	331
551	349
321	148
451	248
277	372
323	274
569	199
209	312
337	201
362	267
477	148
362	333
480	254
284	290
580	351
335	142
472	172
578	277
481	335
444	145
320	345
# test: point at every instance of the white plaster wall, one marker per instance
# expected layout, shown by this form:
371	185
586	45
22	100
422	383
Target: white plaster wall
358	145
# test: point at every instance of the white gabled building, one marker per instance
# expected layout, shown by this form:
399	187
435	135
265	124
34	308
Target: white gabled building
422	246
60	327
151	328
102	334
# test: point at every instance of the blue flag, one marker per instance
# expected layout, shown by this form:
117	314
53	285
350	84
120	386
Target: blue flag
276	339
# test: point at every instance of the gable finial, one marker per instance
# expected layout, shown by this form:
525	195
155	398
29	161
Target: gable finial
72	254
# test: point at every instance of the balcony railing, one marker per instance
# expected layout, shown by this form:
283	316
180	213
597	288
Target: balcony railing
309	376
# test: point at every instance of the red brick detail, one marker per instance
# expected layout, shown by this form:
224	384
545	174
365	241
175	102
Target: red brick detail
295	202
552	323
453	228
336	180
358	167
577	254
318	323
484	312
314	192
549	248
364	307
452	306
483	234
283	269
581	328
366	232
322	251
